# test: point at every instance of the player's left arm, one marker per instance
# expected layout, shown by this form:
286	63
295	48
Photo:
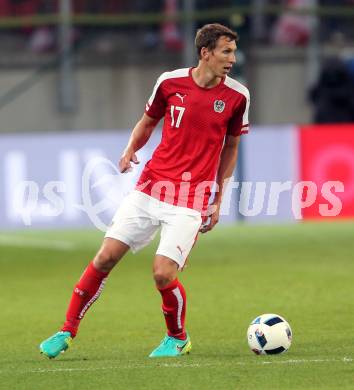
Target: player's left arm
226	167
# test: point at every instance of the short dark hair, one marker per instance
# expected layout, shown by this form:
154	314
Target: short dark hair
208	35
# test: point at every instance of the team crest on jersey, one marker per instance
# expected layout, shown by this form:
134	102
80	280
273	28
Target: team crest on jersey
219	106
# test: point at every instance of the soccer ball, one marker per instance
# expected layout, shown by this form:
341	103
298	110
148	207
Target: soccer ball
269	334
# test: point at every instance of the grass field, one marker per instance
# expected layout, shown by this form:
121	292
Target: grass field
304	272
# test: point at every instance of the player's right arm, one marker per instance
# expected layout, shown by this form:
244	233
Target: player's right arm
154	111
138	138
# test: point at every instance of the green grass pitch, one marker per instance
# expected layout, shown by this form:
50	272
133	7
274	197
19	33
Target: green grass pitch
304	272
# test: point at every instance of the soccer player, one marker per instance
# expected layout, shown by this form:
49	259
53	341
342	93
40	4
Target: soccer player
205	112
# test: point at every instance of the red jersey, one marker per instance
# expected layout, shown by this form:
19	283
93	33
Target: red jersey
183	167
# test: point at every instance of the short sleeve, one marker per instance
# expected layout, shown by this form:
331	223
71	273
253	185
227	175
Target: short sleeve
238	123
156	105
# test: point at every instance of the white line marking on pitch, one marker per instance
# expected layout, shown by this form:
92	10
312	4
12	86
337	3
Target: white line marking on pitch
182	365
18	241
299	361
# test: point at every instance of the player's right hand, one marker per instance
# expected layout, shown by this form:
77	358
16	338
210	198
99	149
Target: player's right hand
125	161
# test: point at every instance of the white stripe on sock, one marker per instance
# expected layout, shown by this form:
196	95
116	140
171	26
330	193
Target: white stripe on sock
178	295
93	299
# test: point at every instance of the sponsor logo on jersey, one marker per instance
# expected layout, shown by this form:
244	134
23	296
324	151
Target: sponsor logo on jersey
180	96
219	106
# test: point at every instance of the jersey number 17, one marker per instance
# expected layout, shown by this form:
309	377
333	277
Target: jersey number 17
176	122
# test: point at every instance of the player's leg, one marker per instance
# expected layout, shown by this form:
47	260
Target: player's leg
173	307
172	293
177	238
86	292
91	283
133	228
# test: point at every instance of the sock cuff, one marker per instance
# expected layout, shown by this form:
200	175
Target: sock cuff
170	286
93	270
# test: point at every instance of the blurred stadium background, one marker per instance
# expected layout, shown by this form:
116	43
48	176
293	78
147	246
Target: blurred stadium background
74	79
75	76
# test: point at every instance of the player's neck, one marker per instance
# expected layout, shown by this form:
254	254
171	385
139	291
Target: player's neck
204	77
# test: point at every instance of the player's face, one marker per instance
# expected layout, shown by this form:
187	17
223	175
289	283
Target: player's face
223	57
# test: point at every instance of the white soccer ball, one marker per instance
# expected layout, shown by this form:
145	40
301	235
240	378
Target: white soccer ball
269	334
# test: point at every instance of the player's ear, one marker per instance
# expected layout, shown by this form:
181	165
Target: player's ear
204	53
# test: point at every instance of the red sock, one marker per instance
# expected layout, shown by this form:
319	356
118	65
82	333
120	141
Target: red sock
85	293
174	309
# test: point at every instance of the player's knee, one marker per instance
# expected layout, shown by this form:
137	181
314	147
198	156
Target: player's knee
105	260
162	278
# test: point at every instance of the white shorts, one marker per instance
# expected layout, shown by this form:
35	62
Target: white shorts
139	217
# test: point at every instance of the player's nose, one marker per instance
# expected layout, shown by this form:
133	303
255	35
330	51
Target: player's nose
232	59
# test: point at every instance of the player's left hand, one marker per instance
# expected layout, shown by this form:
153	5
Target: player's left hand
214	213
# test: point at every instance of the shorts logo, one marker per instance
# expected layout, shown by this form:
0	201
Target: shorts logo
219	106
